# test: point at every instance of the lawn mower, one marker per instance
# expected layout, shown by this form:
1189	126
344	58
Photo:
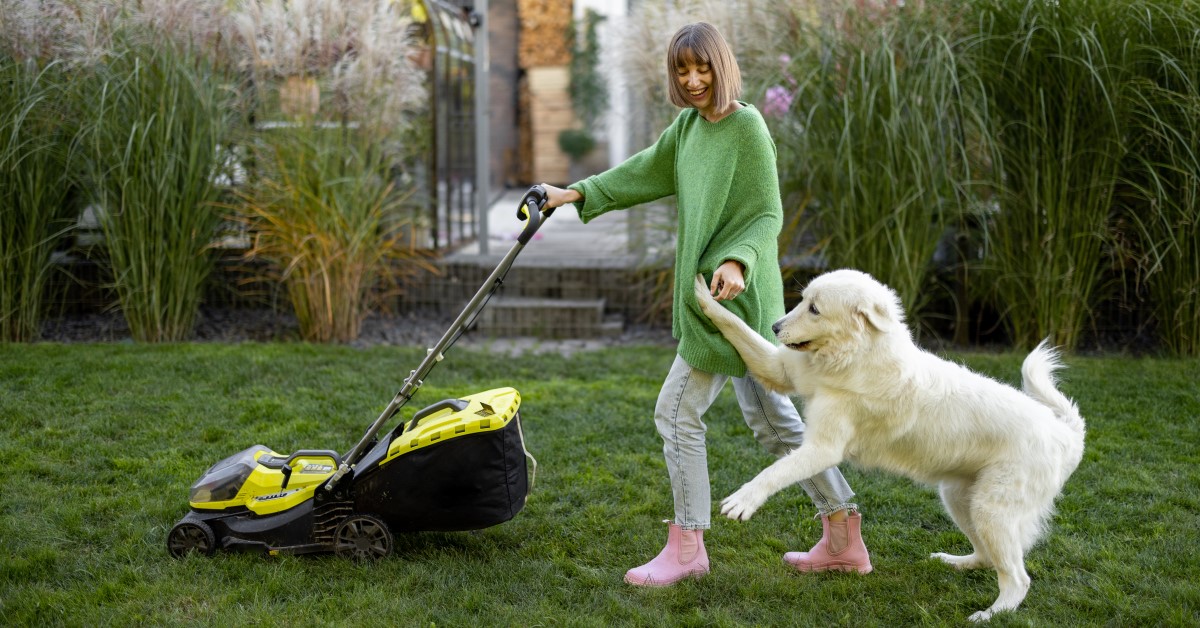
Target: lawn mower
458	464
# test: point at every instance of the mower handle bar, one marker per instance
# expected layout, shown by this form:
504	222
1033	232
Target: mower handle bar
533	210
284	465
274	462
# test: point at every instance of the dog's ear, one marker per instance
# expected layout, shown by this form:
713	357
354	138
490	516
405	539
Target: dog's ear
882	311
876	315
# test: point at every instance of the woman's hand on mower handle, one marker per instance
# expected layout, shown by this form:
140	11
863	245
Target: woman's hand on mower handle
557	197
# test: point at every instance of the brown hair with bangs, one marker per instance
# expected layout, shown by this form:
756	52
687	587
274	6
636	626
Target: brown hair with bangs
702	43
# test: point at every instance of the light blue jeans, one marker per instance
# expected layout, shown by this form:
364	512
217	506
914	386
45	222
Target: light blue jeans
686	396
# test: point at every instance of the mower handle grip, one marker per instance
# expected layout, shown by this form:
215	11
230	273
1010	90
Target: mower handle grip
536	198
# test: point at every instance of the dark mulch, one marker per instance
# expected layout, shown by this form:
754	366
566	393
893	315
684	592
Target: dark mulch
239	324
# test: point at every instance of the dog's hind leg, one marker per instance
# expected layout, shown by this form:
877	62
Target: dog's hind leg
956	496
998	523
1012	578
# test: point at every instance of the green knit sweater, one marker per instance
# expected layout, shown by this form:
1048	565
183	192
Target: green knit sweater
727	190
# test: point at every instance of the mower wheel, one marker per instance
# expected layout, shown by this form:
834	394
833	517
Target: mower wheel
191	536
363	537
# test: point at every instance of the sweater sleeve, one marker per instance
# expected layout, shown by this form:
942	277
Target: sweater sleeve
647	176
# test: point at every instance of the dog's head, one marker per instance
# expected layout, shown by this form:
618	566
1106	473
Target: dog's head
840	312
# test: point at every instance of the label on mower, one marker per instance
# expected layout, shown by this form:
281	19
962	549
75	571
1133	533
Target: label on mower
317	468
274	496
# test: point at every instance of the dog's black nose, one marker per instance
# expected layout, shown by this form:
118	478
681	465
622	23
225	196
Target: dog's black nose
776	327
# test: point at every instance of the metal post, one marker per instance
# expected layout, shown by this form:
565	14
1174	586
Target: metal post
483	147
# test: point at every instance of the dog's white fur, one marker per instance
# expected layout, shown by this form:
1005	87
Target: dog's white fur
999	457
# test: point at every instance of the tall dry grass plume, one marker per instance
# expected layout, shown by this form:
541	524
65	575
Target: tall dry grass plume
361	52
80	32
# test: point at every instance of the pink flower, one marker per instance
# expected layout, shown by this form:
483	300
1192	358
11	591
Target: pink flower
778	101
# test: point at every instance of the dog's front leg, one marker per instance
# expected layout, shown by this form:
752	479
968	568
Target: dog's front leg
802	463
760	356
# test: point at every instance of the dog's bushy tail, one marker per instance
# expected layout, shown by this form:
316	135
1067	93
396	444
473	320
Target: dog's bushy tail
1037	374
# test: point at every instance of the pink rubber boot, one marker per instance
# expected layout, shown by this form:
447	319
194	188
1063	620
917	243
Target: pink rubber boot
841	548
683	557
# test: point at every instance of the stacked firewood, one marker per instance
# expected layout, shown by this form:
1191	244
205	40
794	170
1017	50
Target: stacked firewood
545	105
544	28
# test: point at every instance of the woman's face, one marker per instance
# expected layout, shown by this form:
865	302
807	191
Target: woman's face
695	77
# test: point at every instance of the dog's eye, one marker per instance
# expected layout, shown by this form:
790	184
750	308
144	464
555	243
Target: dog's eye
812	307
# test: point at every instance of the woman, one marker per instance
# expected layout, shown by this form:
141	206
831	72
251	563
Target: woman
718	158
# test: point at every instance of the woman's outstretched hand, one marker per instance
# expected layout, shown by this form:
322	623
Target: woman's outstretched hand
557	197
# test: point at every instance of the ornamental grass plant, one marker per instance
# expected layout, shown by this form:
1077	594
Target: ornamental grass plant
868	115
36	144
325	212
327	201
1058	82
157	114
1162	181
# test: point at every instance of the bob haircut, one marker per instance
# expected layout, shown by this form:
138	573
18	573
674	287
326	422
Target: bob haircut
702	43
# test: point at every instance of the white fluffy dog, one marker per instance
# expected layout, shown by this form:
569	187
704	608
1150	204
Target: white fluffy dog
998	456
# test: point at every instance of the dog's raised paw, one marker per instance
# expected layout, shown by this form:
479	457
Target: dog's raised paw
741	505
735	510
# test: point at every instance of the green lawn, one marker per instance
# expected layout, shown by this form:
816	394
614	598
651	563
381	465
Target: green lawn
99	444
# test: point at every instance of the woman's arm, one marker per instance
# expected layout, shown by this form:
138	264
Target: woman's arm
646	176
